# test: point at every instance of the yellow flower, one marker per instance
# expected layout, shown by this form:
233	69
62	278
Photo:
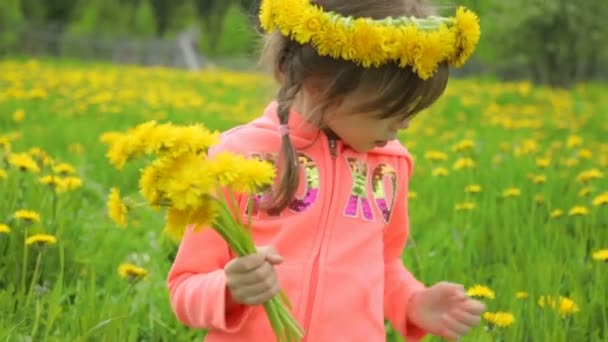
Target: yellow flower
131	272
24	162
117	209
434	47
480	291
41	240
4	229
601	199
543	162
584	192
464	206
40	156
3	174
464	163
557	213
539	179
440	172
564	306
574	141
467	24
585	153
49	180
435	156
601	255
499	319
463	145
578	211
68	184
241	174
27	216
64	169
412	195
473	189
589	175
511	192
19	115
522	295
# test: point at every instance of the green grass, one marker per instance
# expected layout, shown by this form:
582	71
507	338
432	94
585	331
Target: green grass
507	244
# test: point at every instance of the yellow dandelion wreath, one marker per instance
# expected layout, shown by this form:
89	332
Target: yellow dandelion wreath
420	43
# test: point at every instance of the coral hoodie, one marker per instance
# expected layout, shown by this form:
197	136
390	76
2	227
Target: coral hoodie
341	239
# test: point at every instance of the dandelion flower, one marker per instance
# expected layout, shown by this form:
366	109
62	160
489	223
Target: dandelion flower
64	169
412	195
464	206
564	306
117	209
473	189
435	156
601	199
567	307
589	175
463	145
131	272
578	211
574	141
41	240
539	199
3	174
539	179
440	172
49	180
68	184
511	192
601	255
464	163
4	229
499	319
19	115
557	213
585	153
27	216
543	162
480	291
23	162
522	295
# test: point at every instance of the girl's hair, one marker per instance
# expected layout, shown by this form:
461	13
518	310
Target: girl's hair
400	92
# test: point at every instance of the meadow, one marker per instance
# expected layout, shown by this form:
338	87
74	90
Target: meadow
509	197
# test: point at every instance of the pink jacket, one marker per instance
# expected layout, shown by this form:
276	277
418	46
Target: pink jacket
341	239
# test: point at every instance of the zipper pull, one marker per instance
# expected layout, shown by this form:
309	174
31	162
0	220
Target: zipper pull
333	147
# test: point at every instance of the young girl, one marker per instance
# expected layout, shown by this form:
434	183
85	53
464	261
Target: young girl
334	227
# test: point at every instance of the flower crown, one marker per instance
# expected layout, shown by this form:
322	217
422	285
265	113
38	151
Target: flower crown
418	43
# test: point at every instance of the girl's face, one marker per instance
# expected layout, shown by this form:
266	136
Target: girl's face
363	131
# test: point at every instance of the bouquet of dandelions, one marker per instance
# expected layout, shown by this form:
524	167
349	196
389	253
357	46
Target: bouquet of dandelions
199	190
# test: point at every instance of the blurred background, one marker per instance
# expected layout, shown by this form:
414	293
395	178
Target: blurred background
556	42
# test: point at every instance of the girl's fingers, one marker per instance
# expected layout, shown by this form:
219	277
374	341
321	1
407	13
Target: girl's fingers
456	329
465	317
474	307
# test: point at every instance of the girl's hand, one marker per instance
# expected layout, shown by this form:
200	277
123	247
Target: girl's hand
252	279
445	310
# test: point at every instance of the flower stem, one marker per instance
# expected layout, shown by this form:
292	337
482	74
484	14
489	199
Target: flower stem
24	260
34	278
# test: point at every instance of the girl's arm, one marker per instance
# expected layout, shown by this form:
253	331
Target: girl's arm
399	283
197	283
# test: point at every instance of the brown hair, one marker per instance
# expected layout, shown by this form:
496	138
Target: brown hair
400	92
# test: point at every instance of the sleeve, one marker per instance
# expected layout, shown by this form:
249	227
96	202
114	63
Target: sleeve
197	283
399	283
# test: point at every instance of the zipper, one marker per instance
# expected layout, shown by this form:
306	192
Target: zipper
333	150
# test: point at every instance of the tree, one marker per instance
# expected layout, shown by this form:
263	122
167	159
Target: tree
164	11
56	15
212	14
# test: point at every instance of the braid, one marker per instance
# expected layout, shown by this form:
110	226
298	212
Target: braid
290	171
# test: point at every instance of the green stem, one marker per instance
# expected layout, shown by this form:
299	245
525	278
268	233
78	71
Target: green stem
54	212
34	278
24	261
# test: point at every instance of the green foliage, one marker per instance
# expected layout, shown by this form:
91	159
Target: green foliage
557	42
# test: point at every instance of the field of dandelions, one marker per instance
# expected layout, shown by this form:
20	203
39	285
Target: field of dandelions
509	197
